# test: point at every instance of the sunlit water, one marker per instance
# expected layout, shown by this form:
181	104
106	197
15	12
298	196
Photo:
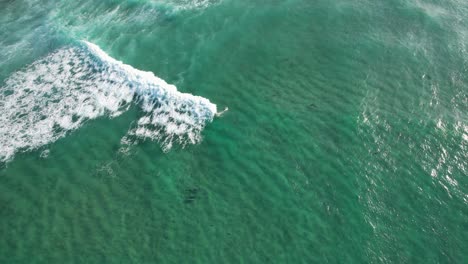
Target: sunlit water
346	138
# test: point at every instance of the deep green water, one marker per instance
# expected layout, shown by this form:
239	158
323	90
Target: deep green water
346	139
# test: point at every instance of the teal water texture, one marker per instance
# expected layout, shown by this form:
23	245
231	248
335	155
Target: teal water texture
346	138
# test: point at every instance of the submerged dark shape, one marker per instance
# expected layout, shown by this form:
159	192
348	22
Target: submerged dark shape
190	194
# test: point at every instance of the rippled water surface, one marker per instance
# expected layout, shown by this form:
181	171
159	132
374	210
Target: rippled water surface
344	140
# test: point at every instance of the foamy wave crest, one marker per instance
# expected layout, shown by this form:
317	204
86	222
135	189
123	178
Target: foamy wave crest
58	93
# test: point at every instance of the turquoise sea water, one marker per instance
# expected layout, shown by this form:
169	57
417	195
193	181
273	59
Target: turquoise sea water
346	138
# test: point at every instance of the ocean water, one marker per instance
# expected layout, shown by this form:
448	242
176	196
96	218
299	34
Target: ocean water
233	131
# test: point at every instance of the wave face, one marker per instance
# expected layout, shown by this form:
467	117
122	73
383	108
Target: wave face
58	93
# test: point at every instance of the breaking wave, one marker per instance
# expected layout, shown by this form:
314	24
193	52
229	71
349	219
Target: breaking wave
57	94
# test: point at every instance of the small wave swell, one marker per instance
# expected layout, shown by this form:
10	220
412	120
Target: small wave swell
57	94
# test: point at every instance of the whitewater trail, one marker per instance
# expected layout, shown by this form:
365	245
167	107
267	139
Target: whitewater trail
58	93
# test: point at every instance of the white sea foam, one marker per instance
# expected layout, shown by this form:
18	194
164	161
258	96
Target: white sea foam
56	94
187	4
